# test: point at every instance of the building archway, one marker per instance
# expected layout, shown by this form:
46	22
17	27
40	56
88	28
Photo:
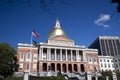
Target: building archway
52	67
70	67
82	68
44	66
59	67
75	68
64	67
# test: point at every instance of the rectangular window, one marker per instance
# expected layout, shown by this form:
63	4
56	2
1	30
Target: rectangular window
104	60
91	68
115	60
21	56
95	60
101	65
20	66
28	56
27	66
35	57
113	65
90	58
105	66
116	65
34	66
109	65
111	60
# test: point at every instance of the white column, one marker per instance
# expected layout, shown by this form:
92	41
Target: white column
66	54
77	56
41	53
71	56
55	55
61	54
84	56
47	53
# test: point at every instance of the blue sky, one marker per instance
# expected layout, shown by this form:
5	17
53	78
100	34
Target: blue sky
82	20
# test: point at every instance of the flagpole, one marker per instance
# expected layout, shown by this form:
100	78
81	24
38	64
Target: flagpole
30	51
31	38
34	34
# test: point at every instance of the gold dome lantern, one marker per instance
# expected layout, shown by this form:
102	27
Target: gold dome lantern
56	31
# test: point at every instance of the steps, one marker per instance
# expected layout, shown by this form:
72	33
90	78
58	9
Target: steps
75	76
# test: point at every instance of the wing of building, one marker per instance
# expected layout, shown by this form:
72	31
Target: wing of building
57	54
107	45
109	52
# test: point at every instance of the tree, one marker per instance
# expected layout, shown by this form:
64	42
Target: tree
8	60
45	5
118	3
106	73
118	75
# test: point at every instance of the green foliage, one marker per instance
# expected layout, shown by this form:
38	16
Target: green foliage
118	75
47	78
8	60
36	78
13	78
106	73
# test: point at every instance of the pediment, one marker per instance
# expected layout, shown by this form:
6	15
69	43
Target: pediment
64	38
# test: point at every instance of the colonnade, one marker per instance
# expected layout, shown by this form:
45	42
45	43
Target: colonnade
61	54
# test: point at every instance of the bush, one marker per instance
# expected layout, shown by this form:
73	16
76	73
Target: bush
36	78
118	75
13	78
47	78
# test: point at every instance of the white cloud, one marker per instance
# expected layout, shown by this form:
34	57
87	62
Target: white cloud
102	20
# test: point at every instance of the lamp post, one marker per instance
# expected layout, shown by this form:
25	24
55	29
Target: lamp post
38	46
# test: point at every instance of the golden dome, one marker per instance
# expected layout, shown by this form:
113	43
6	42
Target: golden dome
56	31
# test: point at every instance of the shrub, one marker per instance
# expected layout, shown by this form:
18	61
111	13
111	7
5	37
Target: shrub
47	78
13	78
118	75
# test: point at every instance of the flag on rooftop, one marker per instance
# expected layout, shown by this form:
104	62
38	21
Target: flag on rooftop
35	34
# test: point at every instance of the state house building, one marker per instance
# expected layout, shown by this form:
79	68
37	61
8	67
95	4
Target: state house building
57	54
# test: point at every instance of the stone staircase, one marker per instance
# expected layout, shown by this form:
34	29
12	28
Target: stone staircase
75	76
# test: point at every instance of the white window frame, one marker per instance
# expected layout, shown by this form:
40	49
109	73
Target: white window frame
22	54
21	66
91	68
35	57
28	55
28	66
34	66
90	58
